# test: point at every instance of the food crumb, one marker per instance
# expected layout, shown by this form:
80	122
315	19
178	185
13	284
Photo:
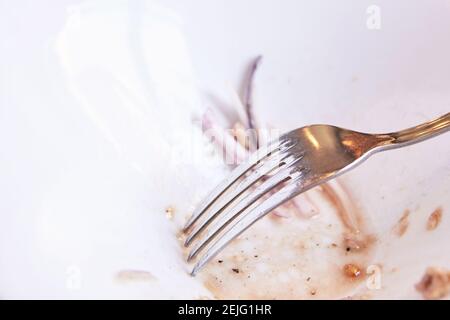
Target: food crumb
313	292
169	212
351	270
435	284
434	219
402	224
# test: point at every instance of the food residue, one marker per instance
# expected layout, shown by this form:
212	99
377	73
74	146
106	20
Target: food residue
134	276
435	284
169	212
351	270
434	219
402	225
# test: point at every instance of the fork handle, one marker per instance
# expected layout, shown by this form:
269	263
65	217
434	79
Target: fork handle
415	134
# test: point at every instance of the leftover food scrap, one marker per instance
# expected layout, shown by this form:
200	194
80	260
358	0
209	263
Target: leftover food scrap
435	284
434	219
352	271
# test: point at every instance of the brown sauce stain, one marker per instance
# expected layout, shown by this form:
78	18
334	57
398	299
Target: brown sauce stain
358	242
344	215
354	237
434	219
403	224
295	258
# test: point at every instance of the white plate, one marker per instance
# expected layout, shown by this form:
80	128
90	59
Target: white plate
97	97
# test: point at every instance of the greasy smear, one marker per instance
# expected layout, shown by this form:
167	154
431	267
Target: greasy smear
127	276
296	258
354	240
434	219
358	242
402	225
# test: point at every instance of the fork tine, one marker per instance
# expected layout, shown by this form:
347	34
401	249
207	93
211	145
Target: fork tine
293	188
228	216
275	160
233	212
238	172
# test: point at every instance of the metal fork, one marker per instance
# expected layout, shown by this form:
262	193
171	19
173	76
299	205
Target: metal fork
298	161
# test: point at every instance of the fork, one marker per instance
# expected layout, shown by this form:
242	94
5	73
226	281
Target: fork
296	162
